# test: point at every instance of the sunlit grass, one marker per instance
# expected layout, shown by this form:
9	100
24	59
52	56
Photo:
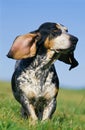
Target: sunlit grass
69	115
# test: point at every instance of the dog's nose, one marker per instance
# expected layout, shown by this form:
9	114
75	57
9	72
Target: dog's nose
74	39
9	55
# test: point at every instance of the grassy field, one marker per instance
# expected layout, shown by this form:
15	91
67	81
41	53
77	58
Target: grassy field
70	113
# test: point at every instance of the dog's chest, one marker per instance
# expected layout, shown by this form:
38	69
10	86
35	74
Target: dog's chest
36	83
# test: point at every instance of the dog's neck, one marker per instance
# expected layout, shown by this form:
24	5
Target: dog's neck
45	61
40	61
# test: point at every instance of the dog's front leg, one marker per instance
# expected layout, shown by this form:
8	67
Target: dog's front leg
32	112
29	109
49	109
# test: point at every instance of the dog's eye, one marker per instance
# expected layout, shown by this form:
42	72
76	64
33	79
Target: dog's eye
56	32
66	30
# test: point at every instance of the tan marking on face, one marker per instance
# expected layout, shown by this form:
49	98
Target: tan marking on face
63	28
48	43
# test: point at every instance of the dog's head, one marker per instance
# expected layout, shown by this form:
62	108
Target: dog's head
53	37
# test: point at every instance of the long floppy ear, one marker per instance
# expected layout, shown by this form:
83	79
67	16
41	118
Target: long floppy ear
69	59
24	46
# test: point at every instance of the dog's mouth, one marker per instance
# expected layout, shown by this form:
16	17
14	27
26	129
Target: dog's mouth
57	55
64	51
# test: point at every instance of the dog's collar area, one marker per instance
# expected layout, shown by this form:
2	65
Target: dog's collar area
53	59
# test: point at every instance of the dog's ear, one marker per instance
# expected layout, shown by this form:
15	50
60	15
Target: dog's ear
69	59
24	46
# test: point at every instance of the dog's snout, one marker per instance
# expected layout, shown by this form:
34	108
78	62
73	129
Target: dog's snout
73	39
9	55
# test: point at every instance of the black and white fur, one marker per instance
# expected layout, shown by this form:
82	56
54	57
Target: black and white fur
35	82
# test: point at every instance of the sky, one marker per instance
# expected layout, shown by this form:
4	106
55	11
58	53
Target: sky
19	17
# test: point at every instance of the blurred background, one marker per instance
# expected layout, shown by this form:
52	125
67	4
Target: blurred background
22	16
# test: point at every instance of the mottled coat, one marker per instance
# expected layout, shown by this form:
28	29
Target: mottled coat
35	82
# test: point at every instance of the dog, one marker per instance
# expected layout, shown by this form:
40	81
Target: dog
35	83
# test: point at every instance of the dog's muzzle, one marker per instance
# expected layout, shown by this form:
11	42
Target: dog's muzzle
73	40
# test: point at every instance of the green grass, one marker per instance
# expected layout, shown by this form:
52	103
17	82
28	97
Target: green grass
69	115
